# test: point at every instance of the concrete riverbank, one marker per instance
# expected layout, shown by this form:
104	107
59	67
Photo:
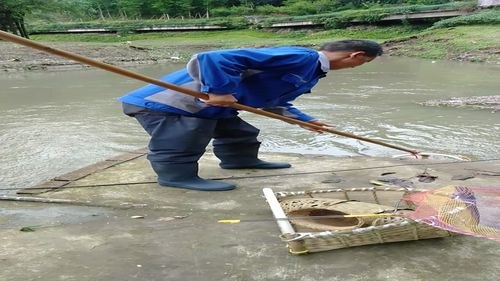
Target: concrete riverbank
123	226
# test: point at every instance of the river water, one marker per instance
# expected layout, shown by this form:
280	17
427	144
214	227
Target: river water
56	122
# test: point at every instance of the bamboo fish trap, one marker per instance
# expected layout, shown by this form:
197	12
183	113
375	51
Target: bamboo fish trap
322	220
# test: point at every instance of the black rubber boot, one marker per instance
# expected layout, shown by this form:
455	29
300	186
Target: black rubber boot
244	156
186	176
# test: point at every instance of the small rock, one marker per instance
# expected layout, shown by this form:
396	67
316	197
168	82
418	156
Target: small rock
396	182
27	229
463	177
137	217
171	218
426	177
166	219
333	180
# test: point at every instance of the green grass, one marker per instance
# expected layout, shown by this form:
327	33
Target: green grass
199	36
239	37
437	43
369	32
490	16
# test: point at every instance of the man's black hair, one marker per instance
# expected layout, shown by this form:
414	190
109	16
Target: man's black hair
371	48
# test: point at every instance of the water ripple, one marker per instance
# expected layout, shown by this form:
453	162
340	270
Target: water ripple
53	124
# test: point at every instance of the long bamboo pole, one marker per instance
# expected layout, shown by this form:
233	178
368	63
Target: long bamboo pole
134	75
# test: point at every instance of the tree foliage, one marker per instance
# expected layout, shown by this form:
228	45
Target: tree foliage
13	13
130	9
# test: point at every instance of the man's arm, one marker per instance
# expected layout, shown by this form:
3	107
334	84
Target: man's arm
289	111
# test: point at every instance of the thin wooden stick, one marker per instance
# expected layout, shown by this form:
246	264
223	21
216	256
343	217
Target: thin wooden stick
232	221
37	199
134	75
59	201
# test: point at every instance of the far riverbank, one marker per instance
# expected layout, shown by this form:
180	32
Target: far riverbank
463	43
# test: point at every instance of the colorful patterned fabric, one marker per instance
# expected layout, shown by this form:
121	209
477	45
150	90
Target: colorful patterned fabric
467	210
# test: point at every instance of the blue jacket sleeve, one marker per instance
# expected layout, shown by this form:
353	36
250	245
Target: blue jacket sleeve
220	71
288	110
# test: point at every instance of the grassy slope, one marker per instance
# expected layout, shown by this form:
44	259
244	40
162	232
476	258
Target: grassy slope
471	43
238	38
479	43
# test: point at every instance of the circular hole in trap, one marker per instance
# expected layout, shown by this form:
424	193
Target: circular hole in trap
306	218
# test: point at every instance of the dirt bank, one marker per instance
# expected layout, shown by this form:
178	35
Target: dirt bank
411	47
476	43
19	58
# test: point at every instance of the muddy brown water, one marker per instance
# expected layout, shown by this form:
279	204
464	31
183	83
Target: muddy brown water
56	122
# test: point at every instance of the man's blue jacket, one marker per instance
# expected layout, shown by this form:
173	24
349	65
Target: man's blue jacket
267	78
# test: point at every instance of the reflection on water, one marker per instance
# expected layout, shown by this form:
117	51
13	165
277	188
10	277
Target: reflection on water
53	123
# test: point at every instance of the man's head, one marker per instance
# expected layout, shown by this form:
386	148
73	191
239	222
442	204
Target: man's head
351	52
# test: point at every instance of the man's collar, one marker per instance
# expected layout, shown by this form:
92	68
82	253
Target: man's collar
324	62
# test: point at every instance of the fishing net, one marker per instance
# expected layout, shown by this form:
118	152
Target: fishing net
467	210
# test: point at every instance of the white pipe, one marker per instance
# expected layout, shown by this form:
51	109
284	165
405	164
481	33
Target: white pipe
278	213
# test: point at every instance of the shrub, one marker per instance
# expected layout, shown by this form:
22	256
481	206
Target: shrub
300	8
231	11
484	17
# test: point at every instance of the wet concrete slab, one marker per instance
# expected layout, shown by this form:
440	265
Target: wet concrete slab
129	228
